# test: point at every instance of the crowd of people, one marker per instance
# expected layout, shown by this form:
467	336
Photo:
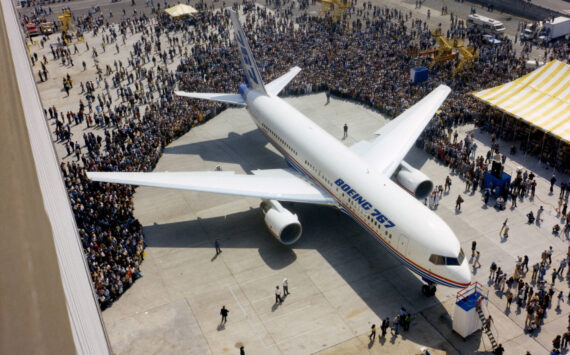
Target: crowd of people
131	113
536	295
121	137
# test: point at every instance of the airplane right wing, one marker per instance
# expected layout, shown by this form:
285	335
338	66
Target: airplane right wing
386	152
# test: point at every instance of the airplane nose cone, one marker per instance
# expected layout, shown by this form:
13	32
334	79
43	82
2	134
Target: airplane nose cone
463	274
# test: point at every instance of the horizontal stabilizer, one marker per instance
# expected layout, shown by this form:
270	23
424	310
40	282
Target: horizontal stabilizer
235	99
275	87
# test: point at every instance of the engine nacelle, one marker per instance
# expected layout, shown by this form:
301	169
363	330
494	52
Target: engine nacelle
414	180
283	224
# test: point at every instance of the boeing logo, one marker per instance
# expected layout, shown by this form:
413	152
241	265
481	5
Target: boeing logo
360	200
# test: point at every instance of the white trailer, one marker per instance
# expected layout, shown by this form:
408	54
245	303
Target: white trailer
558	27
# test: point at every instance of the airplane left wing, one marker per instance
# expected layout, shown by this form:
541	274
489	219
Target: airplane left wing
235	99
386	152
273	184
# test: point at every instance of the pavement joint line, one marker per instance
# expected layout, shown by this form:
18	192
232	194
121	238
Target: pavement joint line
145	312
254	280
343	320
238	302
288	314
299	335
198	323
251	325
263	298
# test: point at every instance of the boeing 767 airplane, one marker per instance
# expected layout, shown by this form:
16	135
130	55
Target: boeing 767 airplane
369	181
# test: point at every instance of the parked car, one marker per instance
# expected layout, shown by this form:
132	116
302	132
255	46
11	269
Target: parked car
491	39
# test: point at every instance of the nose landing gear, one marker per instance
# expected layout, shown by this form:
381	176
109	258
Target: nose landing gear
429	290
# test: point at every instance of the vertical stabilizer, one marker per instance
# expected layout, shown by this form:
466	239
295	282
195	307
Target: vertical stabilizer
247	61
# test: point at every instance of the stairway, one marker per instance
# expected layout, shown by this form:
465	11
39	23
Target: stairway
487	331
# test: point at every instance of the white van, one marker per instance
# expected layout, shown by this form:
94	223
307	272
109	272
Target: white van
486	24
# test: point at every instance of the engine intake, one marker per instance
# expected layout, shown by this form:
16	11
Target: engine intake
414	180
283	224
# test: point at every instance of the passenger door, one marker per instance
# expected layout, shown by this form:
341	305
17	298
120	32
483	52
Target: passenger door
403	244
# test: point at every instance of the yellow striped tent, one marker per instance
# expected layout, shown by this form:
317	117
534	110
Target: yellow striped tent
541	98
181	10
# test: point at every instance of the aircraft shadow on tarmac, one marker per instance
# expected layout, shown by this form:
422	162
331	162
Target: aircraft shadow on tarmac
417	157
237	149
371	271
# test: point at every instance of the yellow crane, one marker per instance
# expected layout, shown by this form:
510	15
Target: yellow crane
467	56
451	49
66	24
445	50
336	6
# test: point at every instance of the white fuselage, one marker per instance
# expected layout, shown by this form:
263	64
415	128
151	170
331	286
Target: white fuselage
406	227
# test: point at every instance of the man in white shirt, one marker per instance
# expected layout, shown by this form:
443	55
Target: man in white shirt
278	295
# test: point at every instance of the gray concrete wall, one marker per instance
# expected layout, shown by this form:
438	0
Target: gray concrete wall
519	8
47	305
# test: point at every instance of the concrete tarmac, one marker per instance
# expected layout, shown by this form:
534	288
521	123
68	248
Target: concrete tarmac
341	279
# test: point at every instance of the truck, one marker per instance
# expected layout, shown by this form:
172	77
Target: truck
47	28
486	24
32	29
531	31
557	27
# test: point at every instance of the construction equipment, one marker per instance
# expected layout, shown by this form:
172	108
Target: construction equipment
66	25
467	56
445	50
449	49
336	6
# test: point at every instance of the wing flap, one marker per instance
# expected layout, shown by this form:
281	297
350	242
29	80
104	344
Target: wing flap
277	184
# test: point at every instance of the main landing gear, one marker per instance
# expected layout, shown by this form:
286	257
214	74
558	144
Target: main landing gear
429	290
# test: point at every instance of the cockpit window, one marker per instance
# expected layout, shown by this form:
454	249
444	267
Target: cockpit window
437	259
451	261
461	256
446	260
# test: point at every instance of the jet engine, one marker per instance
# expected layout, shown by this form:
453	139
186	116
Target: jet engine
283	224
414	180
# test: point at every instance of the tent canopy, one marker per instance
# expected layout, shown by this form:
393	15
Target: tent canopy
541	98
180	10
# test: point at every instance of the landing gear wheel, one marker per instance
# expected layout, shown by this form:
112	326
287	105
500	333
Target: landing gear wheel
428	290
